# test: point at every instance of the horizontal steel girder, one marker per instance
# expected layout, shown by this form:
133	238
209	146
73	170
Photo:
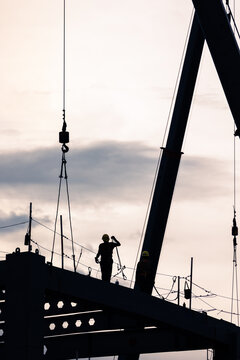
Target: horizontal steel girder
135	304
122	342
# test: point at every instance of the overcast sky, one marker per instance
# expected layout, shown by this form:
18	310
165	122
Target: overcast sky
122	61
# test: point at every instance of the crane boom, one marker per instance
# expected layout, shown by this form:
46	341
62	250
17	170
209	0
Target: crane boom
210	23
171	156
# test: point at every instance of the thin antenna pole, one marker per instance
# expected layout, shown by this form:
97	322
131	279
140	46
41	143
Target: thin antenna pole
178	293
191	272
62	250
30	227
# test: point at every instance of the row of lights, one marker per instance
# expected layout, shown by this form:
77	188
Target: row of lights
65	324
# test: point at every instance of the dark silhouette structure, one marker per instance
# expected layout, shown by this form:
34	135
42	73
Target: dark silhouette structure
75	316
144	278
105	252
68	316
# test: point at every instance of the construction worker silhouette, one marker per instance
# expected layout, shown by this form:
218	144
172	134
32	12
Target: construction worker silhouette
105	251
144	276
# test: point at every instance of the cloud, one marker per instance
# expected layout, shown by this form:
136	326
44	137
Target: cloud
203	178
115	171
12	221
97	168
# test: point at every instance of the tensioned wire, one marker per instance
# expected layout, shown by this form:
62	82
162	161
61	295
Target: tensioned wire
163	142
234	273
207	292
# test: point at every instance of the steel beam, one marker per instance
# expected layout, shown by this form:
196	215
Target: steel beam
56	304
90	321
122	342
173	328
223	48
136	304
171	156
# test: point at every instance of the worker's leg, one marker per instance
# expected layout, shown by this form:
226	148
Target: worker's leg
106	268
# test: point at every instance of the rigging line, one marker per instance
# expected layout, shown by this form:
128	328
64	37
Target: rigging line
55	223
64	110
163	141
46	249
120	267
237	295
8	226
215	309
178	77
212	307
93	252
173	283
235	28
58	254
161	296
164	136
130	268
65	237
195	296
146	215
82	247
64	57
234	143
202	288
233	284
234	228
211	293
80	255
70	222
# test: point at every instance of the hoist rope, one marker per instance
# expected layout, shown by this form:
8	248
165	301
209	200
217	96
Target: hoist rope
234	273
64	57
162	146
70	223
56	217
65	149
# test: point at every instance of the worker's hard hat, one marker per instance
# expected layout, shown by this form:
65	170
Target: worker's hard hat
145	253
105	237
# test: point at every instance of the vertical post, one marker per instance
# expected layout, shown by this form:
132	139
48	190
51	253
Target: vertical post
62	250
30	227
191	272
25	281
178	292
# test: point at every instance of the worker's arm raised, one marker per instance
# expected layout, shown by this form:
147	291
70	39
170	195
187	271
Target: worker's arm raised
115	240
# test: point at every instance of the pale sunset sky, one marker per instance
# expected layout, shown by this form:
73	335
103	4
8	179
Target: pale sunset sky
122	62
